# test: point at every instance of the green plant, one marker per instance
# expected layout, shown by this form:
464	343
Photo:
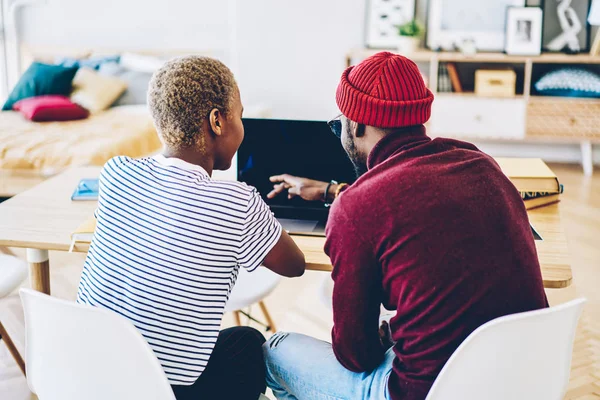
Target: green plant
411	29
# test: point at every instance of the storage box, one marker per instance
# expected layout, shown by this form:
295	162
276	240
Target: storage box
495	83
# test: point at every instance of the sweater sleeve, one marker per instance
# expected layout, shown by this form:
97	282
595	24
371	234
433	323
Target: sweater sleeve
356	294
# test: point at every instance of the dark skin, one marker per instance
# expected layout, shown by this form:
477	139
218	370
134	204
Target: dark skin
223	135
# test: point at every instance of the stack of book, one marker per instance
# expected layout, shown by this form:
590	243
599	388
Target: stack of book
534	180
448	79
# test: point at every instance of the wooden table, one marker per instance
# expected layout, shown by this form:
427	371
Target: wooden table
44	217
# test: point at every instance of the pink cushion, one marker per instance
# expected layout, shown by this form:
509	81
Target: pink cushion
50	108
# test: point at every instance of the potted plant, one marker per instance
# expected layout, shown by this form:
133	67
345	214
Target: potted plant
409	36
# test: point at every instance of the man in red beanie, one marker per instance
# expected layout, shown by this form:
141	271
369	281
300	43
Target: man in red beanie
432	229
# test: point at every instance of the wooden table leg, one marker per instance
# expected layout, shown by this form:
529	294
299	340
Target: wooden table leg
39	270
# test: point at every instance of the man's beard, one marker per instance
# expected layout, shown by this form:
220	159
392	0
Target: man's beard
360	165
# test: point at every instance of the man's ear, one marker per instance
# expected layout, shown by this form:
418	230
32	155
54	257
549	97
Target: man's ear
215	119
359	129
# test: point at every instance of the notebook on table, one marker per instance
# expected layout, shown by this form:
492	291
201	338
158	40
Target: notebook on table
87	189
84	233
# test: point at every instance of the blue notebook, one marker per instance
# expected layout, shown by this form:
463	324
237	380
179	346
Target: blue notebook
87	189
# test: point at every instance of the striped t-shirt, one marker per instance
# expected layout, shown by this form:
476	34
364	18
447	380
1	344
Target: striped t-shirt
167	249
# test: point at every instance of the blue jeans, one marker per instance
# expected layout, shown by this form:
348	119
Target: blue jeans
303	368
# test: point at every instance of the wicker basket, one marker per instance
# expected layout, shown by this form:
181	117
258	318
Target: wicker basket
555	117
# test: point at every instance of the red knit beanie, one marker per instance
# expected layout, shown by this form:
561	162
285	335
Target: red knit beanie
385	91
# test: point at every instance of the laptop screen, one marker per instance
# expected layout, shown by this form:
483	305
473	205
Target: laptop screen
301	148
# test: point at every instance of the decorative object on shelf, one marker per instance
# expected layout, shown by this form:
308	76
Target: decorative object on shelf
524	31
594	19
468	47
452	21
565	26
409	36
383	19
495	83
569	82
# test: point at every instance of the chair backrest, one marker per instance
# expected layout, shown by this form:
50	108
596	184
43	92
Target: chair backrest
81	352
519	356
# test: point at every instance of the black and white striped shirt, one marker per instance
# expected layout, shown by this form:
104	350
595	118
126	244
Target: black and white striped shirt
166	252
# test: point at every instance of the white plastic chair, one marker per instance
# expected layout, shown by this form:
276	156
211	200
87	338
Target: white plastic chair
251	288
13	272
76	352
521	356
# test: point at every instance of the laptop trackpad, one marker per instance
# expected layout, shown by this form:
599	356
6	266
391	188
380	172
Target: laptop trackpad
298	225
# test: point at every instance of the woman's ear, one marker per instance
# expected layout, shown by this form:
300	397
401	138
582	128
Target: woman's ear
215	119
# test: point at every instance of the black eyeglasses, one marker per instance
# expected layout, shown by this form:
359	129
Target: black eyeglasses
336	126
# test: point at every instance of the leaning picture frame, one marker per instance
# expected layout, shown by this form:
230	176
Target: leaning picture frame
382	20
524	31
454	22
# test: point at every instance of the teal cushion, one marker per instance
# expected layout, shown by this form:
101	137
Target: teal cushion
42	79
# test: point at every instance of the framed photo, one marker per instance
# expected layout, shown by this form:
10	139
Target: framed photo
454	22
524	31
565	26
383	18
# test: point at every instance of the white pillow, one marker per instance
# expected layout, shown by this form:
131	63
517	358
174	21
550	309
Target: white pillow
94	91
141	63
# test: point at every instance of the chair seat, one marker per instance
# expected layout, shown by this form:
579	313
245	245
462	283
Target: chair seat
251	287
13	272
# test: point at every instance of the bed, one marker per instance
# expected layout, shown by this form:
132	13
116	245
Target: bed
49	147
32	151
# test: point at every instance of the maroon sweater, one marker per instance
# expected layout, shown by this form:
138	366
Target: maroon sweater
435	231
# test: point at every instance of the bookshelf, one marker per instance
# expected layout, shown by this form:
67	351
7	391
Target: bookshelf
525	117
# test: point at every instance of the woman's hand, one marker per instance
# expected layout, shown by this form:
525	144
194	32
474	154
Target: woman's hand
307	189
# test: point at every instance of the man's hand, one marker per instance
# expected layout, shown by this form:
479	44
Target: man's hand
307	189
385	334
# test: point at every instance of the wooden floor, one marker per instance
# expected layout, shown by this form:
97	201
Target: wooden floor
302	305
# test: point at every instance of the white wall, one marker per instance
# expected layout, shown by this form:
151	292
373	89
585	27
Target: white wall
290	54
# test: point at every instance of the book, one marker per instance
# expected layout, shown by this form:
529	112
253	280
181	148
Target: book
87	189
541	201
444	84
84	233
534	195
453	74
529	175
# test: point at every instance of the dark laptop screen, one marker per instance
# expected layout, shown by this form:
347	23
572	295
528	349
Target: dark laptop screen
301	148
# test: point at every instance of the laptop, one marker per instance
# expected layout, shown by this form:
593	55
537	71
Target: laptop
302	148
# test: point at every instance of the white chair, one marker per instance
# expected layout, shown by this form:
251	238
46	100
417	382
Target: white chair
78	352
13	272
251	288
519	357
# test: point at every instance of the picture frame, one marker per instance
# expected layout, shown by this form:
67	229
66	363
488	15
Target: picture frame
565	26
454	22
524	31
382	20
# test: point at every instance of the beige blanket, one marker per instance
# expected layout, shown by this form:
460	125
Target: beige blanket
52	146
